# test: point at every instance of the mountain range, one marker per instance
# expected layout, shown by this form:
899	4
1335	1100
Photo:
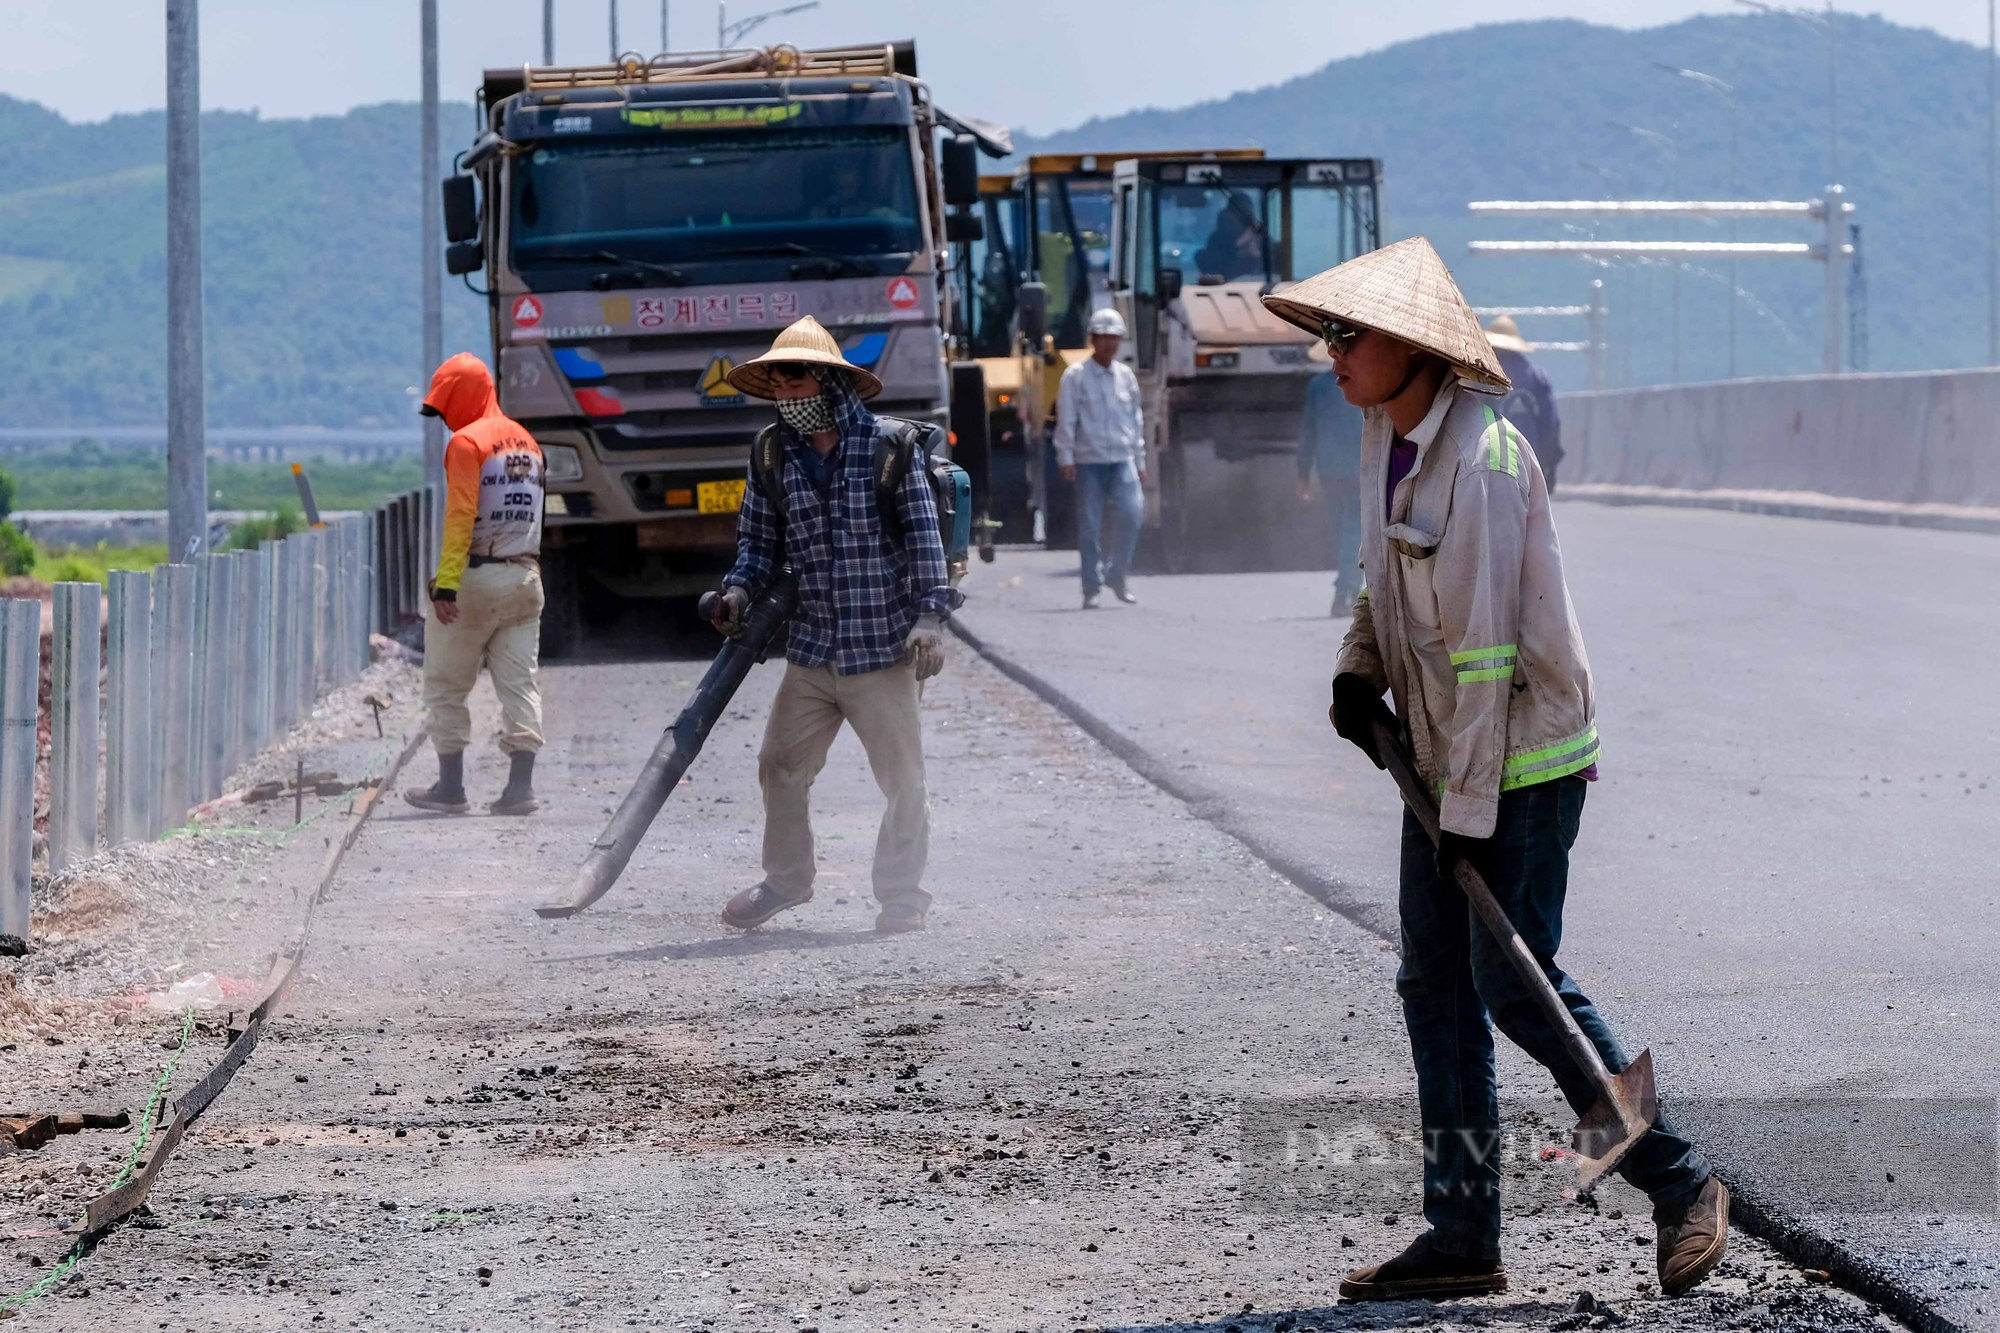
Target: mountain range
312	226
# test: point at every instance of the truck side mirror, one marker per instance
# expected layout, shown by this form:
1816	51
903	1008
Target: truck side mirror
465	257
1170	284
961	170
461	208
1031	307
962	227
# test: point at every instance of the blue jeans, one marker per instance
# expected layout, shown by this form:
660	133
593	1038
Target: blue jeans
1343	508
1453	974
1118	483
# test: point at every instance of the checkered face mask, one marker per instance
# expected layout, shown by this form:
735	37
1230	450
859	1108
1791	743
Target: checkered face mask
806	415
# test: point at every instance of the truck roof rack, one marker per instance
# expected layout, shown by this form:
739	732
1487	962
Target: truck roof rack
1070	163
885	60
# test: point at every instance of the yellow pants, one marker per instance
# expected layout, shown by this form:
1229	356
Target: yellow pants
881	706
499	625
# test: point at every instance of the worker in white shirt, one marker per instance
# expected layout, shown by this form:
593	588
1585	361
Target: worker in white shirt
1101	447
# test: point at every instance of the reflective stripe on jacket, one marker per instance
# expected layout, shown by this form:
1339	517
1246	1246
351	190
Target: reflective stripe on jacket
492	473
1466	618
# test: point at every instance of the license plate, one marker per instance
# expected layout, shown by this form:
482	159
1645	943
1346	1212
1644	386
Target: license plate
718	497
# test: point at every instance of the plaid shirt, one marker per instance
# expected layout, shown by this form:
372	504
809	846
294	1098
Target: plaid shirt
859	590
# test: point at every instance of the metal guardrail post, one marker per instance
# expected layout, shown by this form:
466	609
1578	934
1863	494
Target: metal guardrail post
242	656
20	687
378	582
175	685
129	708
218	687
257	704
75	662
273	641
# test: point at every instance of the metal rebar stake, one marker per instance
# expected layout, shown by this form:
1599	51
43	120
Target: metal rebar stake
129	708
20	686
75	662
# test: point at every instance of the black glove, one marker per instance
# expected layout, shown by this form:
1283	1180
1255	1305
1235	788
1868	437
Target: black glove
1456	847
1357	707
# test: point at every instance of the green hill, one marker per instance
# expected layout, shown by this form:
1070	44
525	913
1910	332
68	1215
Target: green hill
1527	111
313	227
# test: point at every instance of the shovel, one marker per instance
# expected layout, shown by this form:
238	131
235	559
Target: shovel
1627	1103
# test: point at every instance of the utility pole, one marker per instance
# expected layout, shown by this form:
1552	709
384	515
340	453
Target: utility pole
433	246
665	44
612	7
1992	189
187	412
548	32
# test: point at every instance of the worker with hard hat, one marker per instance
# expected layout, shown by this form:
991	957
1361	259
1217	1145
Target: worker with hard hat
1101	448
1466	620
1531	403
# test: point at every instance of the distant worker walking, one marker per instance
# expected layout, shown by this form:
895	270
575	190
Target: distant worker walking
1531	404
1330	445
838	493
486	601
1101	448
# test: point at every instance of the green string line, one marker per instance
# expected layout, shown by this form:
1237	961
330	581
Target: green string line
68	1263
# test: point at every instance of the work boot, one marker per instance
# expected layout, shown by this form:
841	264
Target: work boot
446	796
1124	594
1694	1235
518	797
1090	601
1423	1272
756	905
900	916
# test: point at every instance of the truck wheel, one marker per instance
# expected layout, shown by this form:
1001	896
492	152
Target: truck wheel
971	445
562	606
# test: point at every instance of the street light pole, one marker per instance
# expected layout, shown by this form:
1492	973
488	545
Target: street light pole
1992	190
665	44
612	7
548	32
1670	145
1726	91
1823	25
187	411
433	241
727	32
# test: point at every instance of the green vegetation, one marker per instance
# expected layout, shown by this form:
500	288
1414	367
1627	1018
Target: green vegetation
17	552
258	528
91	564
89	476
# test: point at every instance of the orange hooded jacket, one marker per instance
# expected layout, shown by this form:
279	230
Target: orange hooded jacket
492	474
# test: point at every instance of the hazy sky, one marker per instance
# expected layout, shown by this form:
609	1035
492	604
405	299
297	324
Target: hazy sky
1038	64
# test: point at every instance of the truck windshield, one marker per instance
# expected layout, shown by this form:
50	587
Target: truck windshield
688	201
1224	233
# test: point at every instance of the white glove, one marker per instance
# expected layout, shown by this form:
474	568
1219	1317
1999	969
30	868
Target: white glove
925	646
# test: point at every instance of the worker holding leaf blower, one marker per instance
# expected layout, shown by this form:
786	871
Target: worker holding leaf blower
845	499
1465	619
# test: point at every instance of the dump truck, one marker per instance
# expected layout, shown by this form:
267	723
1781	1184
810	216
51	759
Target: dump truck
1194	243
644	226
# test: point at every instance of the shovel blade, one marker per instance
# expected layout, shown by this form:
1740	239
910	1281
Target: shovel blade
1615	1125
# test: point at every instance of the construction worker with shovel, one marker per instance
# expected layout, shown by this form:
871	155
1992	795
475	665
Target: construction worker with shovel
1465	619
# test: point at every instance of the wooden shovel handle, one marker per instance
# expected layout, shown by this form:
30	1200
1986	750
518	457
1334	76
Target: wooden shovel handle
1397	760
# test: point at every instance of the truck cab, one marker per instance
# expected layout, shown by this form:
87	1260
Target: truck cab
1195	243
644	228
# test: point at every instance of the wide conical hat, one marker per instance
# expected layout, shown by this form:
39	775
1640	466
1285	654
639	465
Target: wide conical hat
1505	335
1405	291
804	343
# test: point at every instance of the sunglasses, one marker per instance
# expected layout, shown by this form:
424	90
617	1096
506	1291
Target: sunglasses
792	371
1340	337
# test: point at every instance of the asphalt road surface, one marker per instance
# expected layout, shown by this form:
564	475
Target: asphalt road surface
1122	1082
1785	883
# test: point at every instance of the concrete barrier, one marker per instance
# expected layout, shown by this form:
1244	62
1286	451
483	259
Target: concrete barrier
1921	439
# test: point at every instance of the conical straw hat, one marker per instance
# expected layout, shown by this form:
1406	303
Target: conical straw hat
1405	291
805	343
1505	335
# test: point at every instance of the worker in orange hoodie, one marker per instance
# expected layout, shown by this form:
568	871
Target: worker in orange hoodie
486	601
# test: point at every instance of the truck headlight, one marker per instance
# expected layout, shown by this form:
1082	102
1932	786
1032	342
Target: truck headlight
561	463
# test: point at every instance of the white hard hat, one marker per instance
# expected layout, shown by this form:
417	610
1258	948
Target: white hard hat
1107	320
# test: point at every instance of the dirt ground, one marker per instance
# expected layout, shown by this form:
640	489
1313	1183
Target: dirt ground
1061	1107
